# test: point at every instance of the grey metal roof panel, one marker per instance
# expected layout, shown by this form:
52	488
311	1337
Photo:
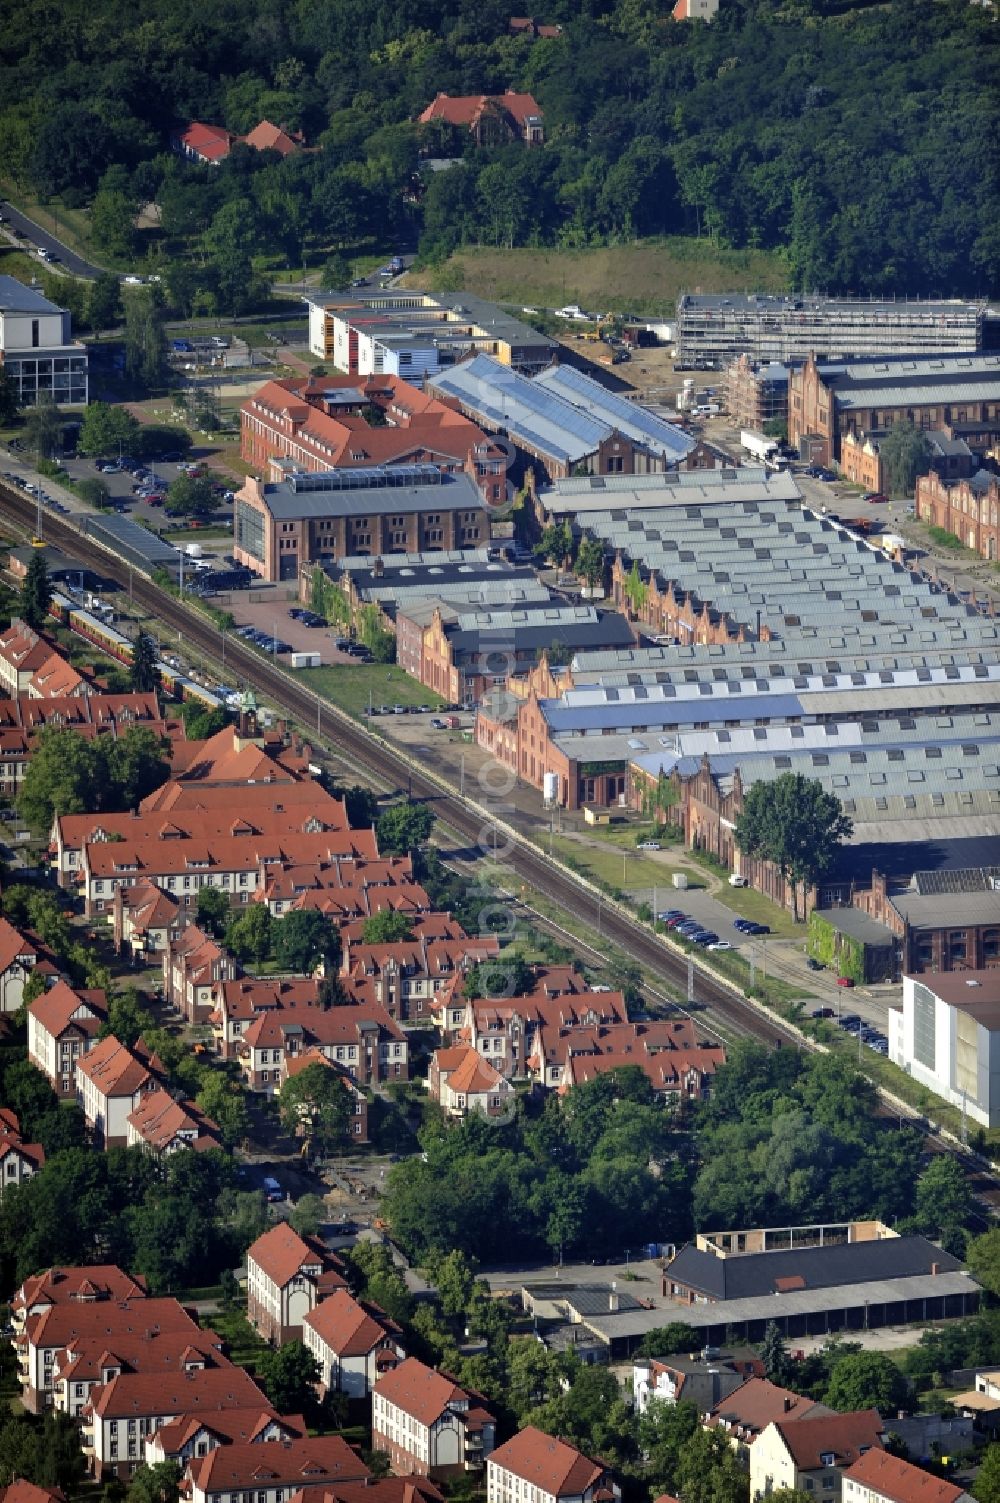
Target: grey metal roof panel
628	418
561	718
291	500
16	297
751	1275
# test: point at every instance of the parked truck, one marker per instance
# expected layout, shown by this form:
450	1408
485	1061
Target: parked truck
759	446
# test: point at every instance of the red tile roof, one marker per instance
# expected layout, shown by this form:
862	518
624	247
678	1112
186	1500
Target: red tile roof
54	1010
107	1321
239	853
183	798
268	137
547	1463
13	946
384	1490
348	1326
30	1492
134	1394
212	142
471	1074
842	1435
757	1402
92	1282
161	1121
268	1463
281	1252
113	1069
228	1426
466	109
901	1482
419	1391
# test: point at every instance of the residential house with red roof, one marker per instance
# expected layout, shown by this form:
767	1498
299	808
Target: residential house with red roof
812	1454
356	1125
90	715
211	144
163	1125
345	890
146	921
878	1477
533	1465
461	1081
372	1490
190	1436
362	1039
427	1424
409	974
18	955
494	119
63	1025
235	757
123	1414
193	966
207	144
110	1083
682	1073
503	1029
20	1491
698	1379
354	1343
268	137
25	653
287	1276
527	26
235	863
748	1410
260	813
97	1326
18	1160
87	1285
88	1362
268	1470
239	1001
670	1052
322	423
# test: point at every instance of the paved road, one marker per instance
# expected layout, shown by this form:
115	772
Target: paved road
68	260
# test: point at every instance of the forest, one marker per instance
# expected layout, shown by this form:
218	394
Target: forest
858	139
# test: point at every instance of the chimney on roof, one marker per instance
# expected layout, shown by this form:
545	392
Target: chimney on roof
789	1402
935	1269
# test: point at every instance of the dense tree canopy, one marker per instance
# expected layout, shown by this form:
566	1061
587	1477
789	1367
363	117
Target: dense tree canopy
68	775
755	131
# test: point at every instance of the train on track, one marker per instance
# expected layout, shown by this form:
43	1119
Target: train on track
89	625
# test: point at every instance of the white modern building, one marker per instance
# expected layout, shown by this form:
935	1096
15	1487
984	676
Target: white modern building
947	1036
37	349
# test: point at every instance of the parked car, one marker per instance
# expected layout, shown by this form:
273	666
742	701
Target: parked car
437	723
822	1012
877	498
814	965
735	880
850	1023
648	845
720	944
845	981
707	937
674	923
670	913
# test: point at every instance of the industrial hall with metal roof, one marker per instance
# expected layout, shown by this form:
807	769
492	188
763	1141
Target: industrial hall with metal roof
784	643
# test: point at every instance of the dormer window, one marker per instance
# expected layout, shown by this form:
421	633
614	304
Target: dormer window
827	1457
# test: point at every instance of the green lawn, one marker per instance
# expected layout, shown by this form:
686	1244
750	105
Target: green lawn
625	867
646	276
353	688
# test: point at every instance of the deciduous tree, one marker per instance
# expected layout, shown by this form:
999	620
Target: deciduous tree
387	927
317	1102
144	676
795	824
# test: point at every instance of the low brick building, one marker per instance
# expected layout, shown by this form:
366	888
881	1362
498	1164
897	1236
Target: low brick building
970	510
322	518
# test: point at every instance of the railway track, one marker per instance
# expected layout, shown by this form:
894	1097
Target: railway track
735	1017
